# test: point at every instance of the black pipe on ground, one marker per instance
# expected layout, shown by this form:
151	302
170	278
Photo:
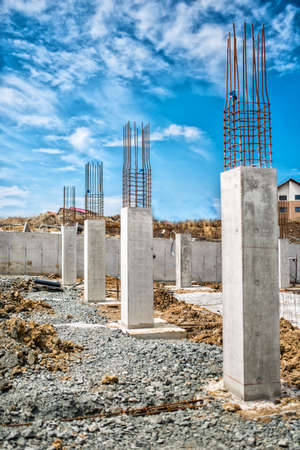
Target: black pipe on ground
47	283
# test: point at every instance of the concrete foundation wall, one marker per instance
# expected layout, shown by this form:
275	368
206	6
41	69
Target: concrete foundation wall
36	253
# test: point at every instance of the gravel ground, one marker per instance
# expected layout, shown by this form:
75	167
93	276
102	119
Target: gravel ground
149	373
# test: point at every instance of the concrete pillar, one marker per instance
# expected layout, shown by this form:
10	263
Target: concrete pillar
251	347
68	266
26	228
136	267
94	261
284	263
183	260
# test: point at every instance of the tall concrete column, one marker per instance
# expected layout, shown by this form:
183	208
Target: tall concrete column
94	261
136	267
183	260
284	263
251	347
69	260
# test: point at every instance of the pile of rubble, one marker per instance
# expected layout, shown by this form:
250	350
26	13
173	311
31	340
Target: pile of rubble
29	344
13	302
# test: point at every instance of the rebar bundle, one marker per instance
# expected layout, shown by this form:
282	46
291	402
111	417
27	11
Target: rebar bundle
94	196
247	119
136	167
69	211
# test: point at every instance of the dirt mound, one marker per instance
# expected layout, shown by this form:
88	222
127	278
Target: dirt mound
51	221
290	352
11	301
201	324
163	299
199	229
27	343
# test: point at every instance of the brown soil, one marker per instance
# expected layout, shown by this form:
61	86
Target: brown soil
109	379
287	408
50	221
200	324
12	301
27	343
290	352
111	312
113	287
291	231
200	229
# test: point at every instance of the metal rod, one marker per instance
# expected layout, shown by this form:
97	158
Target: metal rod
247	123
137	173
94	196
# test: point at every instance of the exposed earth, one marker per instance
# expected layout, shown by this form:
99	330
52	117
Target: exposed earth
78	384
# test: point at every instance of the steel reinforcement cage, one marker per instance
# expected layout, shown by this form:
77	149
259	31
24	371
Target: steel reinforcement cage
94	196
69	211
136	167
247	118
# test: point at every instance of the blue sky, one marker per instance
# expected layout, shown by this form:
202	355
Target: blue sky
73	72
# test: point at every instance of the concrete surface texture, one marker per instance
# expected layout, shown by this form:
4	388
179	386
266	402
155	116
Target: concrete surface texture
94	261
68	253
36	253
136	267
251	348
284	263
183	260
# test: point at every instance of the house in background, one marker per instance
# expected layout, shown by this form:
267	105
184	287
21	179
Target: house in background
289	200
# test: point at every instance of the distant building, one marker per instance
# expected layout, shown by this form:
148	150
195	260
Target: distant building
289	200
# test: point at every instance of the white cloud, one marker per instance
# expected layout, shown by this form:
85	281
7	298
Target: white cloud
8	191
112	205
12	196
50	151
176	131
27	103
173	131
28	7
97	25
66	169
284	38
81	138
73	160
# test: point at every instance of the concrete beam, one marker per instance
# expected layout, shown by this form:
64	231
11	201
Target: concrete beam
68	253
250	283
94	261
183	260
136	267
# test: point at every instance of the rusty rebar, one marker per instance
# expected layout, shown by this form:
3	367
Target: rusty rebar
136	167
94	196
247	123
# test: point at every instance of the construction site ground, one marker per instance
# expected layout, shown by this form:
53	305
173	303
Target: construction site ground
69	382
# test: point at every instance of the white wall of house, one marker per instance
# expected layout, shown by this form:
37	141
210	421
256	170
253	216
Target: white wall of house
290	189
